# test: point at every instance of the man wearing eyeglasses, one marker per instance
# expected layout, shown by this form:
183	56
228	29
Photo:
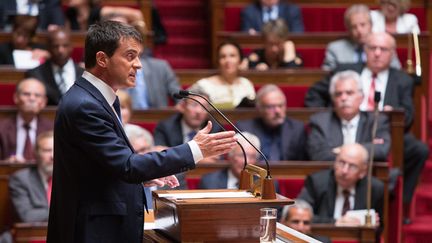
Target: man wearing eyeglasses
281	138
333	192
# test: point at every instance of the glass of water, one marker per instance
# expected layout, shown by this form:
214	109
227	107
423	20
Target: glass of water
268	225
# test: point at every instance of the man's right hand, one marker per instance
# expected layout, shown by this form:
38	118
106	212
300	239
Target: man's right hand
213	144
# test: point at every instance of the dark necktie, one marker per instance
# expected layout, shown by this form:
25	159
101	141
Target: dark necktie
346	204
28	146
116	106
359	51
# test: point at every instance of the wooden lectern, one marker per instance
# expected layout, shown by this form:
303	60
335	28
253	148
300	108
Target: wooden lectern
211	219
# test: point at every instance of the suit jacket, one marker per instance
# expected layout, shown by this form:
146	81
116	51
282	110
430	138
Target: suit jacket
251	17
8	134
398	93
320	191
44	73
343	51
326	134
28	195
161	81
214	180
97	195
293	136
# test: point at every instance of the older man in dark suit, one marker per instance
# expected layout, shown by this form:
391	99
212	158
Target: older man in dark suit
18	132
97	181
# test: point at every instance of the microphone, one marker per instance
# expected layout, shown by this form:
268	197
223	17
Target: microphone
368	217
268	186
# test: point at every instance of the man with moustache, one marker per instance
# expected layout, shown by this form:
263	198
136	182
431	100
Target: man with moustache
346	123
19	131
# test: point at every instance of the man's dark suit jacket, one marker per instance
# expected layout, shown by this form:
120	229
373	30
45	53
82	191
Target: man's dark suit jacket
398	93
251	17
44	73
97	193
28	195
326	134
293	136
320	191
8	134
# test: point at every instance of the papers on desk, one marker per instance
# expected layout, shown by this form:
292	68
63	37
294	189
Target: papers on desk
23	59
201	195
361	215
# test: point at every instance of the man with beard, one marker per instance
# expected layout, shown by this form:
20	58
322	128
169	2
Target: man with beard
346	123
281	138
19	132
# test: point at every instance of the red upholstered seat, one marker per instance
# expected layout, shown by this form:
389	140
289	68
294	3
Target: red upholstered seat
6	94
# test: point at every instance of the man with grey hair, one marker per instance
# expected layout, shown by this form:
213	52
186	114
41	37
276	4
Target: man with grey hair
141	139
346	123
281	138
351	50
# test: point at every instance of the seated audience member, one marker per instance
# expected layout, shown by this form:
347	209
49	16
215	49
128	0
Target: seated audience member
346	123
396	88
299	217
278	52
59	72
18	132
24	29
229	178
281	138
256	14
351	50
227	89
30	188
333	192
393	18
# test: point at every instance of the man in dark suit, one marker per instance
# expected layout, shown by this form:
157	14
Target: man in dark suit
333	192
59	72
281	138
346	123
397	88
30	188
97	181
255	15
18	132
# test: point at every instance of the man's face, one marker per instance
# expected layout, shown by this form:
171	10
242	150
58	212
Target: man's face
140	145
349	168
360	27
30	97
347	99
193	114
269	3
122	66
300	220
21	38
45	155
60	48
379	51
273	108
236	158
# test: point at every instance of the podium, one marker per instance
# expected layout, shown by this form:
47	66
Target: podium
210	219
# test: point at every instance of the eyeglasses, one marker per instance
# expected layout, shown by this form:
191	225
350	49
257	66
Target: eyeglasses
29	94
381	48
340	164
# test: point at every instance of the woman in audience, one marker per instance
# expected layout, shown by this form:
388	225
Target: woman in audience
393	18
278	52
227	89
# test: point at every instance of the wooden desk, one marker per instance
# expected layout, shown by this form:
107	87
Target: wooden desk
336	233
30	232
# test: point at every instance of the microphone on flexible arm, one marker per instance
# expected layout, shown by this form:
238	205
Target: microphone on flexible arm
368	217
267	185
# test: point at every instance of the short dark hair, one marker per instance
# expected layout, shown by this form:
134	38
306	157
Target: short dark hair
105	36
231	42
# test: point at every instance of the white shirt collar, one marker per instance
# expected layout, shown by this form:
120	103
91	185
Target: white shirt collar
354	121
20	122
232	181
106	91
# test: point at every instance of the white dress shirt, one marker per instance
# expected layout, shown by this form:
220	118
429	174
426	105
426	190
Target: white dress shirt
380	85
68	75
27	7
233	181
22	134
349	129
339	202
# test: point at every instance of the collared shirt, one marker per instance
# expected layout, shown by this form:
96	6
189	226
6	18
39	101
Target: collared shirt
27	7
233	181
22	134
380	85
349	129
68	75
270	13
110	96
339	201
44	178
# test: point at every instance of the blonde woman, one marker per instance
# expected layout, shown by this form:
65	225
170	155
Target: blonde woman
392	17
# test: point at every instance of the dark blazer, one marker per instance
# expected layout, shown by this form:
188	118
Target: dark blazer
293	136
28	195
8	134
44	73
320	190
326	134
398	93
251	17
97	194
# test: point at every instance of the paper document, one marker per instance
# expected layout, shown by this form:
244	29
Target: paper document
23	59
236	194
361	215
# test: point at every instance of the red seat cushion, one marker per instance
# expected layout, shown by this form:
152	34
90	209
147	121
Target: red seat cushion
6	94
